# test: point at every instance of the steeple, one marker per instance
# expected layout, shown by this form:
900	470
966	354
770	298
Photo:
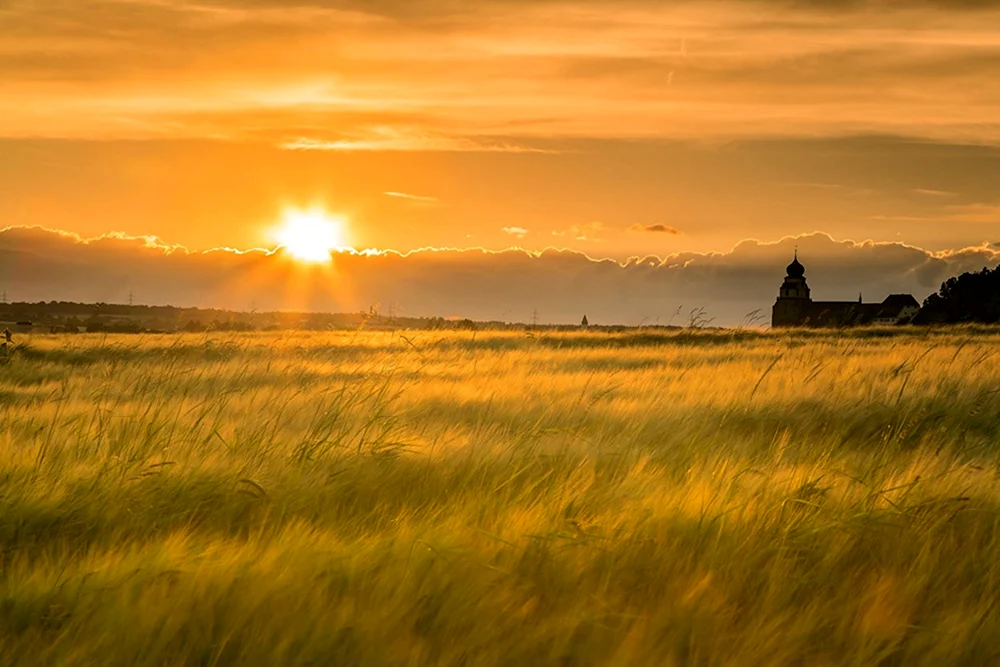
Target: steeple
795	269
795	286
793	304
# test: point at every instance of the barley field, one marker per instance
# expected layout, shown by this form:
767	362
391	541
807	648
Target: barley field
501	498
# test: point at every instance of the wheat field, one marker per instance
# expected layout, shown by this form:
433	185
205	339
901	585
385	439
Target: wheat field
501	498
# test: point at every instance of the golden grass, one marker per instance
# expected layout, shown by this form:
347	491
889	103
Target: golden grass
501	499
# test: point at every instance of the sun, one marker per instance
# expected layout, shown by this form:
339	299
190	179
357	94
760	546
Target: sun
311	235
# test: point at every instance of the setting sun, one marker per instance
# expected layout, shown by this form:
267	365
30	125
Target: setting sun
310	235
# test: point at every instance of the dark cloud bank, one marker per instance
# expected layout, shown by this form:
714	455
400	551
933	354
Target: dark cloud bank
38	264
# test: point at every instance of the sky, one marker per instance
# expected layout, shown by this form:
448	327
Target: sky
687	132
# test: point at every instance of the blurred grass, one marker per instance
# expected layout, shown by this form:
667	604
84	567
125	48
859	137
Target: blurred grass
716	498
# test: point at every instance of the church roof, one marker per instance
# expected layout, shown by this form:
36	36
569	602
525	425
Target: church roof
900	301
895	303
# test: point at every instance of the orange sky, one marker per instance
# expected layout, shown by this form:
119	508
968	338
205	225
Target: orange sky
607	126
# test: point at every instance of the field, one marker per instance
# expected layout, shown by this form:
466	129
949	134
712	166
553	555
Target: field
479	498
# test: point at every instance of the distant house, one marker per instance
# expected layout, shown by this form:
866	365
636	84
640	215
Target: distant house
26	327
897	308
795	308
19	327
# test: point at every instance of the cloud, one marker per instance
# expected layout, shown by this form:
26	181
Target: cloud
413	198
397	139
661	229
814	186
934	193
977	213
590	231
287	71
39	264
517	232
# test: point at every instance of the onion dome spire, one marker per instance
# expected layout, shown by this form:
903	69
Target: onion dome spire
795	270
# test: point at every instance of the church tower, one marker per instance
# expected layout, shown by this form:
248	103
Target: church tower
793	304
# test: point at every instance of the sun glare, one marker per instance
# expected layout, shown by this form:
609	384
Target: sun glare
310	236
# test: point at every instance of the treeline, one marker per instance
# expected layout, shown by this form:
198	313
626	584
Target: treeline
971	298
67	316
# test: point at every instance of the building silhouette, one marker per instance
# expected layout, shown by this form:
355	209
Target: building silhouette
795	308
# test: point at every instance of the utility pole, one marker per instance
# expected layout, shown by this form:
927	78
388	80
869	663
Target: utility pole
534	318
4	297
130	298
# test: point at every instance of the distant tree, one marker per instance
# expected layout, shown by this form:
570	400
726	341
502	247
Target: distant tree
970	297
584	322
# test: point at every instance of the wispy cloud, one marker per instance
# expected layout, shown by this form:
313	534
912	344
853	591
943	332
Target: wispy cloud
406	139
590	231
661	229
516	232
814	186
958	213
413	198
988	213
934	193
644	68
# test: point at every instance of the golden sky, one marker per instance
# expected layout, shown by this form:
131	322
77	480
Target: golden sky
612	127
